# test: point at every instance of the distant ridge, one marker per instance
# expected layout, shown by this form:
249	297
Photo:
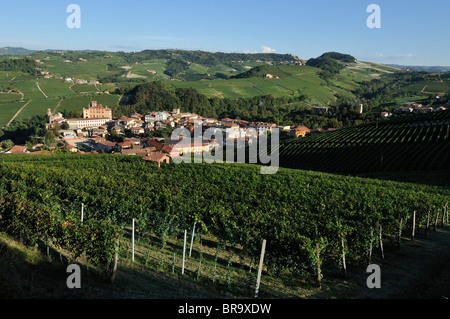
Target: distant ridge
15	51
439	69
24	51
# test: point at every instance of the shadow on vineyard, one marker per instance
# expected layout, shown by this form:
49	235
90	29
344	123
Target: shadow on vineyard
31	273
434	178
415	269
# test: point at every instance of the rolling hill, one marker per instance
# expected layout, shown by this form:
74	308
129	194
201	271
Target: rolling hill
293	79
15	51
441	69
215	75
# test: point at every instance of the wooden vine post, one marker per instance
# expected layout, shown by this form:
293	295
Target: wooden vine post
381	241
184	252
261	263
370	246
319	275
113	266
428	222
443	216
344	266
446	210
192	238
436	219
132	241
399	239
173	264
413	225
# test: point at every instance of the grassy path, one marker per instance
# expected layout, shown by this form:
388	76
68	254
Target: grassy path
423	89
59	103
17	113
37	84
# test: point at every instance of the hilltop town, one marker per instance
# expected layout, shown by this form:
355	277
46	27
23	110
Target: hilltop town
98	132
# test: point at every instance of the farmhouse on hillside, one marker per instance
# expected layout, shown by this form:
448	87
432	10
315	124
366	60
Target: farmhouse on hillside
16	149
271	76
157	157
299	131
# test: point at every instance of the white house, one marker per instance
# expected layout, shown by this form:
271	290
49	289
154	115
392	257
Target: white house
263	128
161	116
75	124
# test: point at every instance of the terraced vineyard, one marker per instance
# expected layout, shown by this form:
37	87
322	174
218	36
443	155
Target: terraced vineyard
412	143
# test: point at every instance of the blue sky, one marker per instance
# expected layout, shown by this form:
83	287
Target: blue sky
411	33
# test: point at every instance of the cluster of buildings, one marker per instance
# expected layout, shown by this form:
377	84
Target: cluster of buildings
271	76
415	108
80	81
97	123
90	133
47	75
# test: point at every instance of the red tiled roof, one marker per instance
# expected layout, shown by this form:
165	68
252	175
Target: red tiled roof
132	140
131	151
156	144
301	128
171	152
167	148
155	157
17	149
125	144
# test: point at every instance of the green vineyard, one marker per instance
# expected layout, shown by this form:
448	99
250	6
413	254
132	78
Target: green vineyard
300	214
410	143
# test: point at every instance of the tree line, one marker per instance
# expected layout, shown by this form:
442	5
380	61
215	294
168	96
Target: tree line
205	58
25	65
30	130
